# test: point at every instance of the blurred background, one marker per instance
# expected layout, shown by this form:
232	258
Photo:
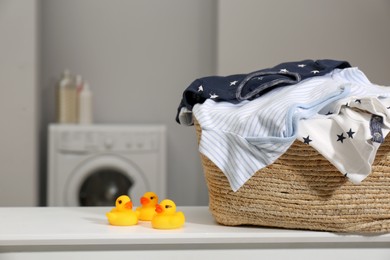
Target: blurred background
139	56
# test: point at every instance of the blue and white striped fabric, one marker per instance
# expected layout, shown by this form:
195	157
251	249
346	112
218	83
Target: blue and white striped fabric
245	137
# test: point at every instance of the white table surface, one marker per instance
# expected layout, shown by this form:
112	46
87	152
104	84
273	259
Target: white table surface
88	226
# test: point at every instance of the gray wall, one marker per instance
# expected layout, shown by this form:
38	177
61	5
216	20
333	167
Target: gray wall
258	34
18	102
138	57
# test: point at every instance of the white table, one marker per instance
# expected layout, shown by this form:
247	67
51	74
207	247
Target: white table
66	233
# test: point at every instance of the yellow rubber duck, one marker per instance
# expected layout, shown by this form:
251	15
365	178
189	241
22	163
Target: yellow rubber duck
148	206
122	214
166	216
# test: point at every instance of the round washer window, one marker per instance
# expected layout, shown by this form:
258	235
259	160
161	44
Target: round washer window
103	187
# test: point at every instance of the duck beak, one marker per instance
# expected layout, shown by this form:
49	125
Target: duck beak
129	205
144	200
159	209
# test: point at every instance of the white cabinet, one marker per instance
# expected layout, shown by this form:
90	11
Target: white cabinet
63	233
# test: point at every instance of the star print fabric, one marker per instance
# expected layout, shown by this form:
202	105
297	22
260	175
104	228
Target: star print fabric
239	87
345	139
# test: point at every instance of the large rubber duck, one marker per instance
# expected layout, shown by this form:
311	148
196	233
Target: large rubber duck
122	214
148	206
166	216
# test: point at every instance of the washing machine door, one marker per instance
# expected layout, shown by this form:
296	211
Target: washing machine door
101	179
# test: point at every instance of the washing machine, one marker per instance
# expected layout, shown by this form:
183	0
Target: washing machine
91	165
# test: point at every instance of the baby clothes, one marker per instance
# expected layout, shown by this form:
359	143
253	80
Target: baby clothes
245	137
236	88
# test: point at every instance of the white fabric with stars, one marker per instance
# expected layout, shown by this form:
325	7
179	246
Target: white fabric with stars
345	138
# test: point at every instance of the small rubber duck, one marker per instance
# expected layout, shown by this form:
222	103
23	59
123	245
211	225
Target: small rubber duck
122	214
148	206
166	216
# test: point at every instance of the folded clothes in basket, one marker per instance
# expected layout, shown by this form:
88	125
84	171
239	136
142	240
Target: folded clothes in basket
334	113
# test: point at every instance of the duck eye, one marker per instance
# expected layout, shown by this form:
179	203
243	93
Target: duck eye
119	201
168	206
152	197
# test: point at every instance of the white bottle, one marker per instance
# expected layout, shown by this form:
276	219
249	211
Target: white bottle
67	100
85	105
79	87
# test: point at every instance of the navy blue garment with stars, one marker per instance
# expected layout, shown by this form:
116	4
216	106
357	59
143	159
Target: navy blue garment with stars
239	87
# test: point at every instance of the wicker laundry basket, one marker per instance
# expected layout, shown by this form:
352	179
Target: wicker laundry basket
302	190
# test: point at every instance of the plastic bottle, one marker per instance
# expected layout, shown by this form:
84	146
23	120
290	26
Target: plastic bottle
79	87
85	105
67	98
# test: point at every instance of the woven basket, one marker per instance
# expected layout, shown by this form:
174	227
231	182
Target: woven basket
302	190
